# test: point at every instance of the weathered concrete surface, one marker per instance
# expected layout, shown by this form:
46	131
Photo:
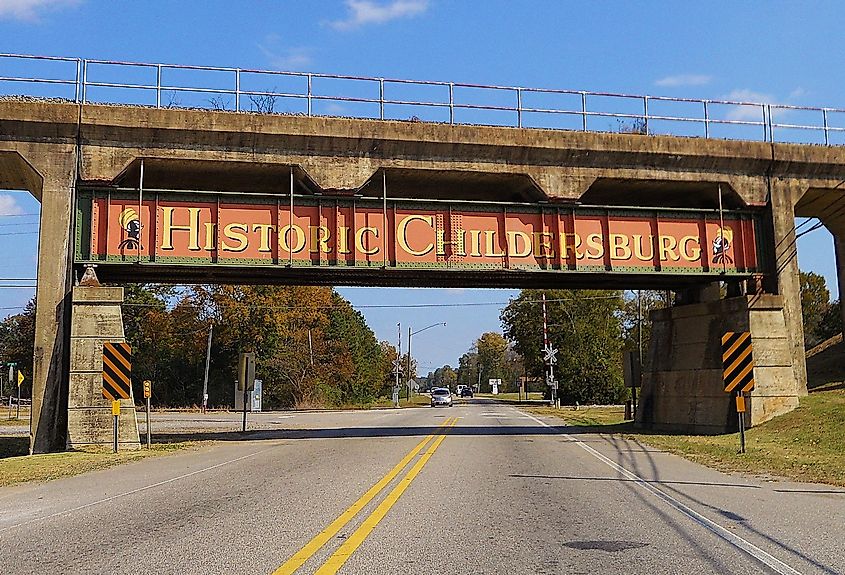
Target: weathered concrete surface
683	389
342	154
44	144
96	320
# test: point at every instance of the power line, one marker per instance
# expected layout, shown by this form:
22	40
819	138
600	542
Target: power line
19	215
19	233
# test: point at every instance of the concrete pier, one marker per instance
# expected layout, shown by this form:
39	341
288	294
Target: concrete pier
96	318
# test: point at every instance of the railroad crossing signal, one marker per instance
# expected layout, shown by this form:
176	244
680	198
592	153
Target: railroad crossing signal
738	361
549	354
148	388
20	378
117	370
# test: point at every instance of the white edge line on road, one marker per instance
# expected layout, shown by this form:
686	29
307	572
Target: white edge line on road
133	491
772	562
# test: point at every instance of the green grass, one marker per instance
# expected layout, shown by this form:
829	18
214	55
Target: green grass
585	416
18	467
804	445
512	397
417	400
14	422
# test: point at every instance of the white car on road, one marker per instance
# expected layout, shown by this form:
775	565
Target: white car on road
441	396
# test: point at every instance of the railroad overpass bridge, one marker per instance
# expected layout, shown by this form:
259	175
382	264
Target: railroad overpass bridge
184	195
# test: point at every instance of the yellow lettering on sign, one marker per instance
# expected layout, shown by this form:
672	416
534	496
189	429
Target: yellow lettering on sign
343	240
235	232
209	236
402	235
193	228
595	243
691	248
359	240
638	248
543	244
458	243
567	246
489	237
284	238
620	247
667	245
264	236
320	236
475	243
515	238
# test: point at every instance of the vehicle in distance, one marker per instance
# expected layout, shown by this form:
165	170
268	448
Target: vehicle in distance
441	396
464	391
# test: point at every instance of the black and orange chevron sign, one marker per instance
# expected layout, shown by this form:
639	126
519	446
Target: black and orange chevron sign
117	370
737	361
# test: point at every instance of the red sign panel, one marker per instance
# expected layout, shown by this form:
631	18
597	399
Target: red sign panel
425	235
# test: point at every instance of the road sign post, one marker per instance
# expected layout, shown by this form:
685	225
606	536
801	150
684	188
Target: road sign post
740	412
117	377
20	381
115	411
11	379
246	378
148	392
738	365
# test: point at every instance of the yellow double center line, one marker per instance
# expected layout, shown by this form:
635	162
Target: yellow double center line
336	561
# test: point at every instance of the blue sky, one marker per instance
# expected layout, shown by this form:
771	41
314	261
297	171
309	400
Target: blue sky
776	52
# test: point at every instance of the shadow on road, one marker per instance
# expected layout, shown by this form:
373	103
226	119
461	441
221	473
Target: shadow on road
358	432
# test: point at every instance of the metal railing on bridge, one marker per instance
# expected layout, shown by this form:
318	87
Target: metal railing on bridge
270	91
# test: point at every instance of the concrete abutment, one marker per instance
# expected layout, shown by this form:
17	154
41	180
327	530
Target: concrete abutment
683	389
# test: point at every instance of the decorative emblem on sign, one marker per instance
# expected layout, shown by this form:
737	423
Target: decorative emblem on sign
721	246
130	222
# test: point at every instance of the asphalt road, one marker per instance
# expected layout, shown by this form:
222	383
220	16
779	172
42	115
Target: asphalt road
478	488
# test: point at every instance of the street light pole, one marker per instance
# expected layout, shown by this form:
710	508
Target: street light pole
412	333
207	362
397	364
408	392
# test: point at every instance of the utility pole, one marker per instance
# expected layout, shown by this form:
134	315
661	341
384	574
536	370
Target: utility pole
640	350
207	363
396	365
408	375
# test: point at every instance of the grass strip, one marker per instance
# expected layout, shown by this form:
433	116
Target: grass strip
803	445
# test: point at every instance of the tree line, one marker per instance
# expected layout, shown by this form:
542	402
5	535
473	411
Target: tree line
313	348
590	328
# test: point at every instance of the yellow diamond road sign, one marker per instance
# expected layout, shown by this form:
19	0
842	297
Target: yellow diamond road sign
20	378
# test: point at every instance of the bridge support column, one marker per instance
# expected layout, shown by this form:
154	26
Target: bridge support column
839	249
682	381
784	280
96	318
48	425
